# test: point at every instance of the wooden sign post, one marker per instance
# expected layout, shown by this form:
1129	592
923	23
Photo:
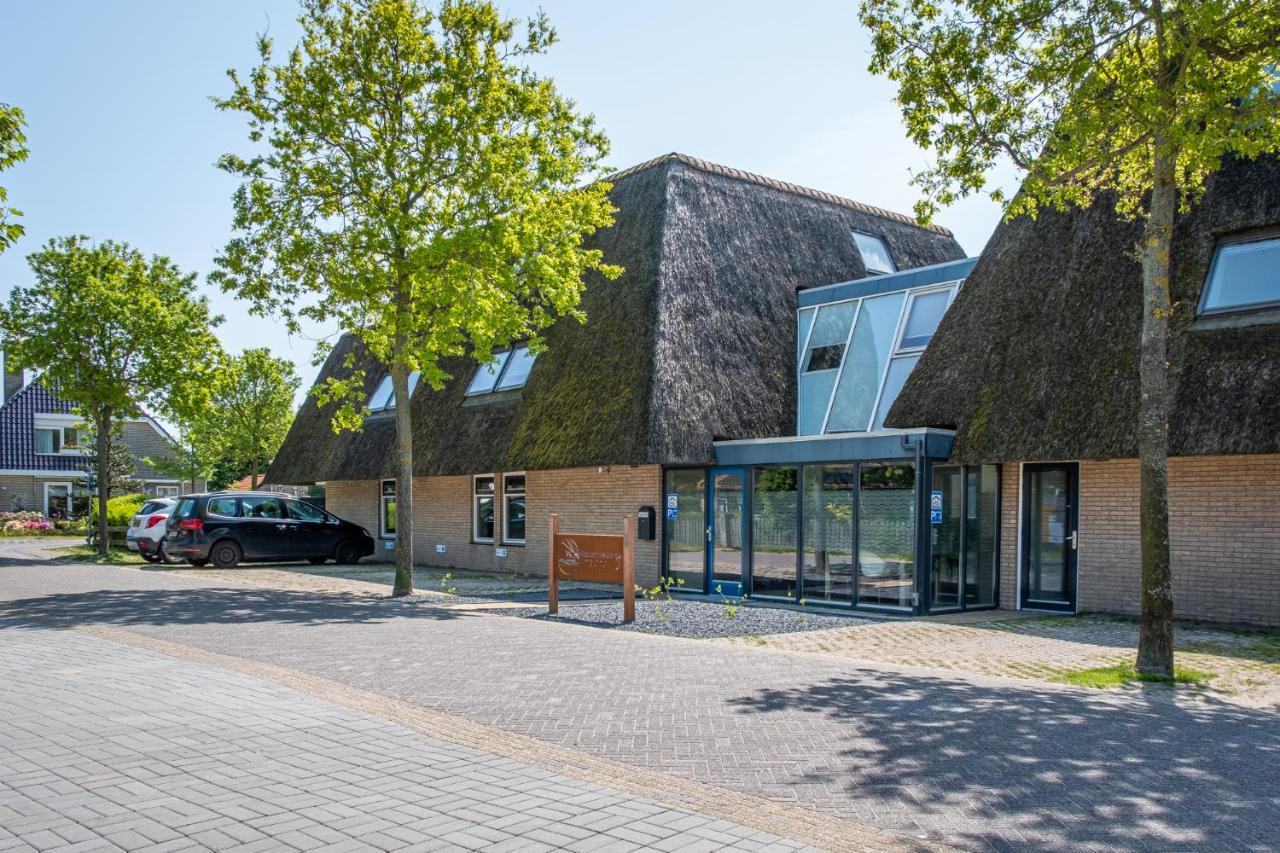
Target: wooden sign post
594	558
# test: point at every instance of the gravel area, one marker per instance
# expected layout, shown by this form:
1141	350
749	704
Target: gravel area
701	619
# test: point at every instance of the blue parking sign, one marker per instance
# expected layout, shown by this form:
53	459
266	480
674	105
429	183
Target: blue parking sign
673	506
935	507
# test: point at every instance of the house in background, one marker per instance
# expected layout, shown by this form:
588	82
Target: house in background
42	465
1035	369
695	343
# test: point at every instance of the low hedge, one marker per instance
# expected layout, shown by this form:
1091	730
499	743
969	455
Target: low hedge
120	510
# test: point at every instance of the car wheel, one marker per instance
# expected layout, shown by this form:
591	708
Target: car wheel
225	554
199	564
347	553
150	558
317	561
163	556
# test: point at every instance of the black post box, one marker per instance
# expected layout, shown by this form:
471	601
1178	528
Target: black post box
646	523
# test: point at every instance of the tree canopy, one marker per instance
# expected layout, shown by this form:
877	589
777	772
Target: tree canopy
112	330
13	149
250	410
417	185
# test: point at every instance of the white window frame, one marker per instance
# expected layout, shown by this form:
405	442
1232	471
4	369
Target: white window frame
475	508
503	358
58	423
382	507
69	487
1267	235
166	491
507	538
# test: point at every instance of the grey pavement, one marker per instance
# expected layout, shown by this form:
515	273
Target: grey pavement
979	763
106	747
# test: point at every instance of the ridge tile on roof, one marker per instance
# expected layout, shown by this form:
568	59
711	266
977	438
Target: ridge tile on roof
773	183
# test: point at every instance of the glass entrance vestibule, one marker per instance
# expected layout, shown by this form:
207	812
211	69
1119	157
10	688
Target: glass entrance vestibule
874	521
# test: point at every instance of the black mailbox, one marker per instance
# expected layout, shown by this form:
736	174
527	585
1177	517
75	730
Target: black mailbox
646	523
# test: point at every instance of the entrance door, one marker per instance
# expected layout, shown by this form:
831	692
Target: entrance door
725	531
1049	519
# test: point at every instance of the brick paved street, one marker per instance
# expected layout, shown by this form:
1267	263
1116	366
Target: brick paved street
973	761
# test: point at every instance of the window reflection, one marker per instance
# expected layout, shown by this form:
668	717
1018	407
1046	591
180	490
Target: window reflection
886	534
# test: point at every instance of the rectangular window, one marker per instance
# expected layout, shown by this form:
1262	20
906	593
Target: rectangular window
886	534
482	508
923	318
48	441
224	507
1244	275
828	532
387	509
775	512
258	506
513	486
517	371
875	254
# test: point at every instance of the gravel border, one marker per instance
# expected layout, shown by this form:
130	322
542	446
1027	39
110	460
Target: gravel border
697	619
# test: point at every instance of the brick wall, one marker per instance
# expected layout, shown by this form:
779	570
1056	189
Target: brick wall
587	500
22	492
1224	537
1009	535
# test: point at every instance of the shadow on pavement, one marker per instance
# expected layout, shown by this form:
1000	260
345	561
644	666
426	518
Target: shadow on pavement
214	606
1074	771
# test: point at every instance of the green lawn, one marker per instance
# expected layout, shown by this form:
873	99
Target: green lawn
117	556
1123	673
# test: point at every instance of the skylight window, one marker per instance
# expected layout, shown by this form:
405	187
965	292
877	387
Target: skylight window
383	397
875	254
507	372
1244	276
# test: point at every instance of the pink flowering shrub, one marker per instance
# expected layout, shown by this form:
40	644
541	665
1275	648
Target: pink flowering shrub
25	523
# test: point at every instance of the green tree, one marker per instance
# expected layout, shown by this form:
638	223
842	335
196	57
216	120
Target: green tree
250	410
419	187
112	330
13	149
1139	101
189	459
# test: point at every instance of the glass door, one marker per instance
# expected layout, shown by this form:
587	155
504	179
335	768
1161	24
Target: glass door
1049	519
725	534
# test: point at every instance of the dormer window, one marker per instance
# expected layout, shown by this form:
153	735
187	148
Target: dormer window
383	398
508	371
57	434
1244	275
875	254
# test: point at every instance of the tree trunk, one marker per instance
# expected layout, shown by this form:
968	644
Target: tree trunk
404	481
1155	629
253	478
104	477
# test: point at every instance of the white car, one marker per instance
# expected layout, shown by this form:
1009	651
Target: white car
146	530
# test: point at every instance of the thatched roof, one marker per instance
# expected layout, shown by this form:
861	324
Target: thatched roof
695	341
1038	356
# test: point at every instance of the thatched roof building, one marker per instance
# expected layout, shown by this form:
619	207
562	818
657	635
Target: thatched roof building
696	340
1038	356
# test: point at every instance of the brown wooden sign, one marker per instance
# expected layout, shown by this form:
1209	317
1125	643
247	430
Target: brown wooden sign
594	558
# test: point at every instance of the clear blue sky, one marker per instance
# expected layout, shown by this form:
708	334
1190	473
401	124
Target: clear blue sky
123	137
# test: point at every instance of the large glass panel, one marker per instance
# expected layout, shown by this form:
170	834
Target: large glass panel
381	395
1048	518
804	319
487	374
982	525
1244	275
517	372
726	555
775	505
875	255
687	532
945	530
828	532
886	534
869	349
899	369
923	319
830	331
818	366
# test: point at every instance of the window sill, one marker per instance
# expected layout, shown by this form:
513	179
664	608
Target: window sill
513	543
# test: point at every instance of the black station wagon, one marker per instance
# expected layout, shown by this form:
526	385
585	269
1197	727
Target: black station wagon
225	528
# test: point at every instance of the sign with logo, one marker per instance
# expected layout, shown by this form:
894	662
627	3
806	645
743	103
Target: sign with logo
935	507
594	558
673	506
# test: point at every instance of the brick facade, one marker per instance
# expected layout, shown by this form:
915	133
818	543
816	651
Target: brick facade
1224	537
588	500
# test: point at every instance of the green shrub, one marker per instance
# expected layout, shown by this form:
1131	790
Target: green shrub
120	510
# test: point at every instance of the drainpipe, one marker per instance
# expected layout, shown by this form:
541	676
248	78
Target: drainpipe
916	442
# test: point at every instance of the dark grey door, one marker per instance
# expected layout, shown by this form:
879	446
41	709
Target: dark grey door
1050	514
